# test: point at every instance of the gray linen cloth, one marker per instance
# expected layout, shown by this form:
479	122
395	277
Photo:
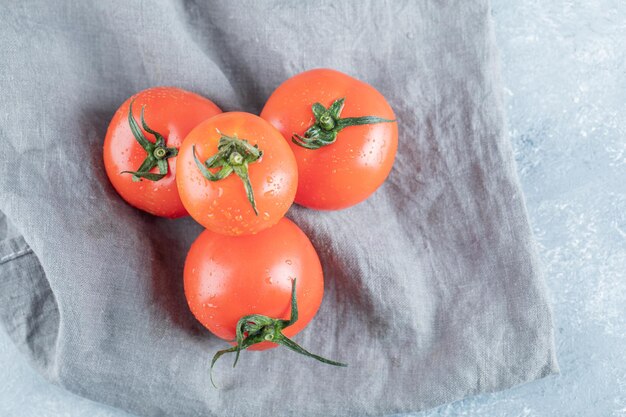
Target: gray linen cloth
433	290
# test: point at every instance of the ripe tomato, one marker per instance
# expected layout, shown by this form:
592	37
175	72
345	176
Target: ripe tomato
229	277
255	288
236	174
170	114
342	132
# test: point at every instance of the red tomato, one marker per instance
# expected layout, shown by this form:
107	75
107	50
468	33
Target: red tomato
169	112
229	277
344	149
236	174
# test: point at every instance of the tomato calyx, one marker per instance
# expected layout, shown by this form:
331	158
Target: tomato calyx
257	328
328	123
233	155
157	152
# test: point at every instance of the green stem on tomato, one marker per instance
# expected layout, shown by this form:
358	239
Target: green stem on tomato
233	155
257	328
328	123
157	152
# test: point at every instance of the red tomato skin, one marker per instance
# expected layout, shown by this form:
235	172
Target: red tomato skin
222	206
172	112
228	277
348	171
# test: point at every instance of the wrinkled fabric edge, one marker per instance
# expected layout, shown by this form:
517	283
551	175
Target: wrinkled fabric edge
30	316
552	366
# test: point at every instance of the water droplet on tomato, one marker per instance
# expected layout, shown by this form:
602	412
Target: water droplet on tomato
270	179
288	262
266	216
220	191
239	217
268	193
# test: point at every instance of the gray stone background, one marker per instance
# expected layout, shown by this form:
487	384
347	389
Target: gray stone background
564	73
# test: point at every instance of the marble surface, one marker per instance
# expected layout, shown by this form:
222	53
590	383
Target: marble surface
564	71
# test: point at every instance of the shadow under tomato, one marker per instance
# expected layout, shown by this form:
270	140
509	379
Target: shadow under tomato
169	243
344	292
